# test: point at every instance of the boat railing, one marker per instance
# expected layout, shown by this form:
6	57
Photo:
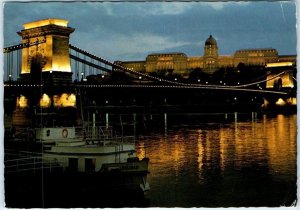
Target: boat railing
111	141
102	134
94	132
11	154
125	139
31	165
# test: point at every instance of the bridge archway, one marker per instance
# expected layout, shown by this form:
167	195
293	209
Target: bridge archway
278	84
280	75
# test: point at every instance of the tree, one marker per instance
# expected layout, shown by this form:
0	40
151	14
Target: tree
197	74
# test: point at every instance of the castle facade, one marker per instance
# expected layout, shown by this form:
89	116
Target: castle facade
211	61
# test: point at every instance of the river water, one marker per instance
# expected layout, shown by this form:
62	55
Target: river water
220	160
214	160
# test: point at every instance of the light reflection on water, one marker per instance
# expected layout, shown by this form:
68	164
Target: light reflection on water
241	161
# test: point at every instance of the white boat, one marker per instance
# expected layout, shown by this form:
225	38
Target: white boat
96	169
96	154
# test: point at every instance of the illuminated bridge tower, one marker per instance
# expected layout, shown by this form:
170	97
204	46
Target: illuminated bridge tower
280	75
47	56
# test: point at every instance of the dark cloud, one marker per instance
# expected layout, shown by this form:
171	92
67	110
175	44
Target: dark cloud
129	31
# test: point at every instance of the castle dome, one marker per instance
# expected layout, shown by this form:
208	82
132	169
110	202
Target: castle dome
211	41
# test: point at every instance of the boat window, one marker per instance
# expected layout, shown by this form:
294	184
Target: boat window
48	133
73	164
90	164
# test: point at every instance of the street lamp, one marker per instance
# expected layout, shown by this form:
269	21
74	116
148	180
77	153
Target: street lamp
82	76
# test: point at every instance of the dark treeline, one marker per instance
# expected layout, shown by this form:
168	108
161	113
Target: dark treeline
242	74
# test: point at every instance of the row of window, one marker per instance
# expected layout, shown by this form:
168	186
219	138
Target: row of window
89	164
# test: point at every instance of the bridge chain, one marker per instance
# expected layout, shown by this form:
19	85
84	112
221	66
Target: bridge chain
22	45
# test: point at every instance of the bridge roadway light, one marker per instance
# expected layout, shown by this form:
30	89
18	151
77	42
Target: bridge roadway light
175	79
199	80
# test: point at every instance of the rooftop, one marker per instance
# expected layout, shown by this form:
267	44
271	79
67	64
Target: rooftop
50	21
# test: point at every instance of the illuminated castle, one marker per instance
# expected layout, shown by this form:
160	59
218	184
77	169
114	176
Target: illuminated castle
211	61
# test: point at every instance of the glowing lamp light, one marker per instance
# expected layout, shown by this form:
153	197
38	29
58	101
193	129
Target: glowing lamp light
292	101
64	100
45	101
280	102
22	102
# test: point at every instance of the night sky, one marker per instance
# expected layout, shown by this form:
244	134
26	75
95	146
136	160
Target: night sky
131	31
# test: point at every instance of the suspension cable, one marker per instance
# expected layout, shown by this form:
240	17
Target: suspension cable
11	65
19	57
124	69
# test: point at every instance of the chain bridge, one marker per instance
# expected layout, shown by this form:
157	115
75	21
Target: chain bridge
45	70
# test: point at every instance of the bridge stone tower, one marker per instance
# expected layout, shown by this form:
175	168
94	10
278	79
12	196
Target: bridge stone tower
280	75
47	56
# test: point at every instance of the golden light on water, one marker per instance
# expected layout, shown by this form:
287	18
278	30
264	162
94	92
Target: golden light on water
64	100
254	143
22	102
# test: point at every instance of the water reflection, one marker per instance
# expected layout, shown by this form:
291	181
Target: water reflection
240	162
213	160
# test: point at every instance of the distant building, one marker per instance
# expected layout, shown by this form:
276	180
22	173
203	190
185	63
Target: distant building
211	61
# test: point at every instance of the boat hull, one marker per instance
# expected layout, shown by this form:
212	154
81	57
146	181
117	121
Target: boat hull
115	188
